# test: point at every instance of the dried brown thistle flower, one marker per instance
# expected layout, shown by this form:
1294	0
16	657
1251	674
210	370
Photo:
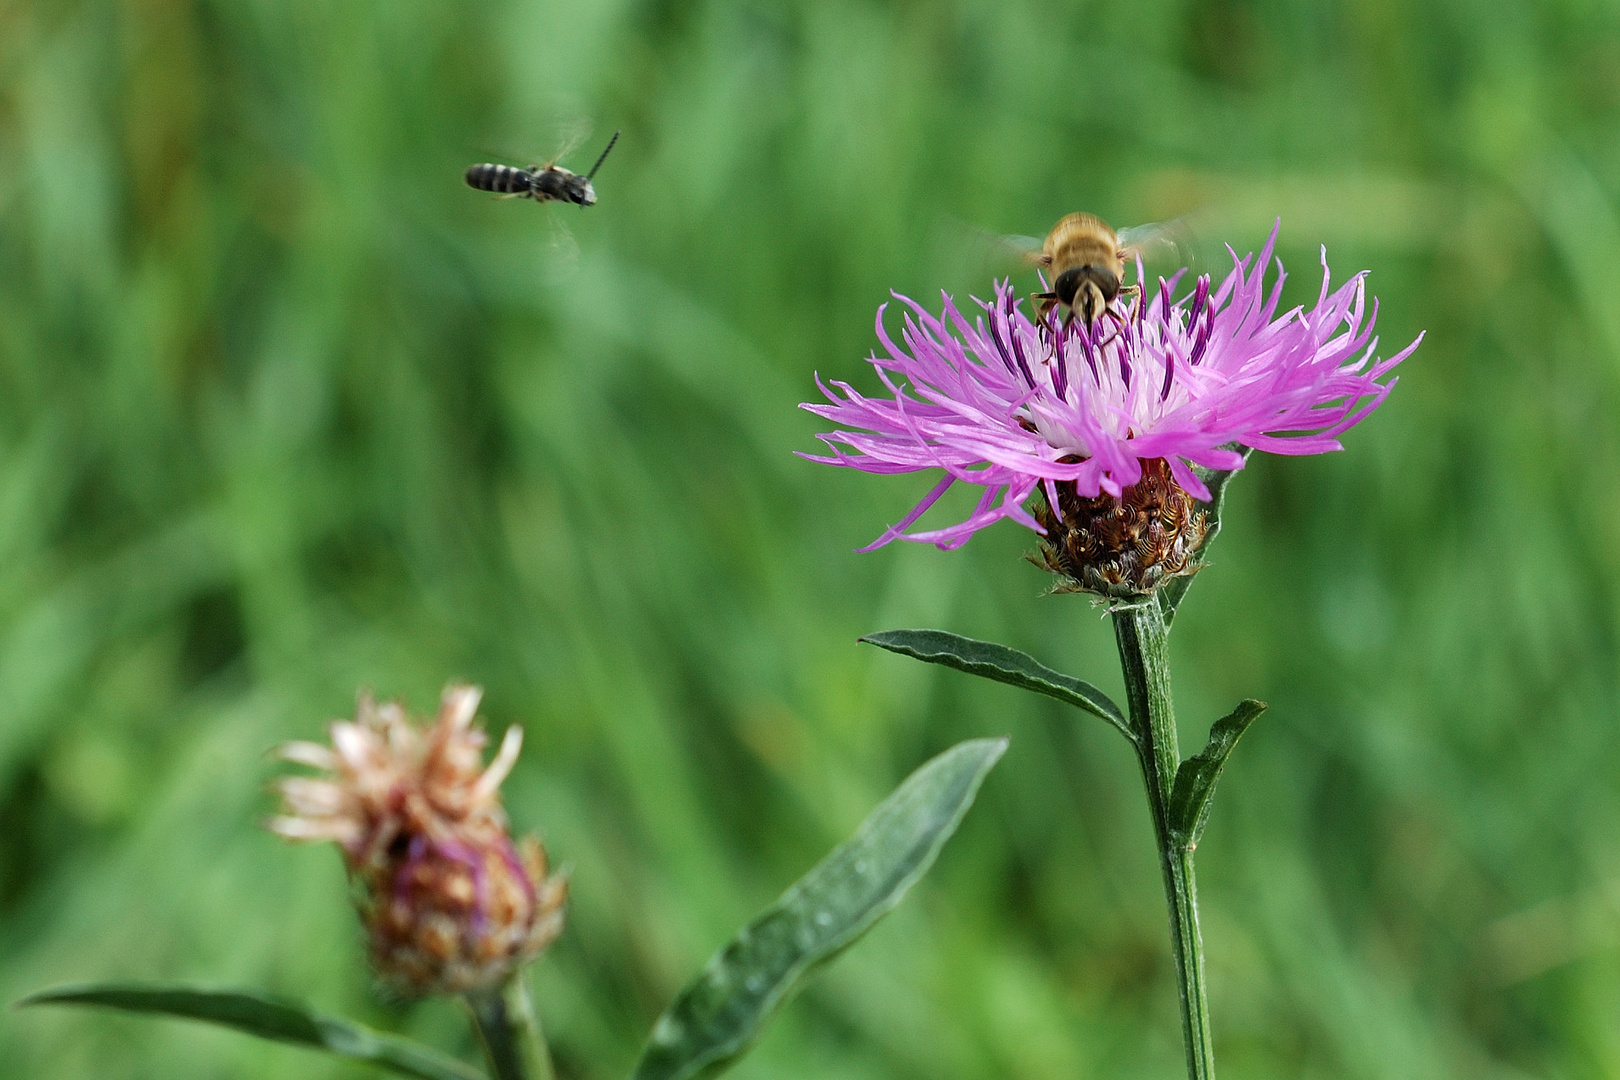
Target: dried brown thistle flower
1125	547
448	901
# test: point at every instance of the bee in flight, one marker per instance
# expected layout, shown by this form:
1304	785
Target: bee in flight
1085	260
542	183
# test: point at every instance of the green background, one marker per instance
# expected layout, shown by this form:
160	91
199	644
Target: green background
286	410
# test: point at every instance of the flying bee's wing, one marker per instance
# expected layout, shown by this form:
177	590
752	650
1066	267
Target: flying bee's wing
1170	241
562	246
574	132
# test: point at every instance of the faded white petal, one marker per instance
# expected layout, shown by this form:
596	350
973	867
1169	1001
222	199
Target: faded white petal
342	830
460	705
501	766
354	743
389	715
311	797
302	752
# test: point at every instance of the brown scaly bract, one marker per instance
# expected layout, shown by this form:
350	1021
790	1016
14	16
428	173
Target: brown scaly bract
1126	547
448	902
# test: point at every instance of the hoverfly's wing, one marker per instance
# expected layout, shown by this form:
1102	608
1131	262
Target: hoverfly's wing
1030	250
1162	242
999	252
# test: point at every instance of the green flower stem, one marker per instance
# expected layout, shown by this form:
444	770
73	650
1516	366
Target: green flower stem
1144	655
510	1032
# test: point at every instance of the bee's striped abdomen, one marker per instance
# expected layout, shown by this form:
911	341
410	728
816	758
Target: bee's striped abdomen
500	178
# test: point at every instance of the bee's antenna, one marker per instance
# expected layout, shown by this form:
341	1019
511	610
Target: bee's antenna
603	158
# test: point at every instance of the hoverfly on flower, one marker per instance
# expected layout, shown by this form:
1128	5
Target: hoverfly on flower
1083	260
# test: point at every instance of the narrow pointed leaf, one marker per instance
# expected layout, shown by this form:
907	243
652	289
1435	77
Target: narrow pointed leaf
722	1011
1195	778
268	1018
1215	479
998	662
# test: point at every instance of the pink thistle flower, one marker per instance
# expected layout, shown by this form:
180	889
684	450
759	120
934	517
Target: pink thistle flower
448	901
1012	405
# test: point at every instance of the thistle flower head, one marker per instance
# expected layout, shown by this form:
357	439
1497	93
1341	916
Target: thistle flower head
449	902
1073	412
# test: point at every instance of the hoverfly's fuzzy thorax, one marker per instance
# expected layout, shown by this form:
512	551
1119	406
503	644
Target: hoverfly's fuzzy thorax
1121	548
448	901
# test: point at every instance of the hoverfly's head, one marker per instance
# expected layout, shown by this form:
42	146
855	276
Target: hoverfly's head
1086	291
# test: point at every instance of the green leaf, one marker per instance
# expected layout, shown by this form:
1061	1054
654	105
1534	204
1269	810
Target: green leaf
998	662
268	1018
1195	777
1215	479
718	1014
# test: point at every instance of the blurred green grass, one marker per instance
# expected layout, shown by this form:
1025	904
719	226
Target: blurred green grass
286	410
